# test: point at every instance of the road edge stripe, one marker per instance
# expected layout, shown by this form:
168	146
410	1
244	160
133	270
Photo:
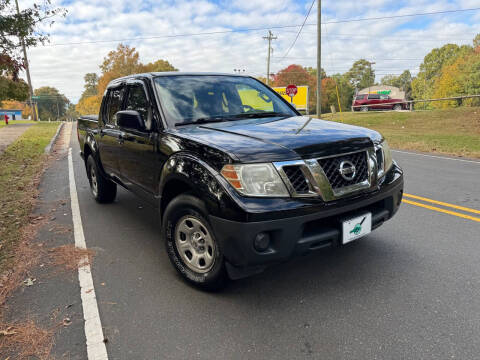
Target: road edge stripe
436	156
434	208
96	348
442	203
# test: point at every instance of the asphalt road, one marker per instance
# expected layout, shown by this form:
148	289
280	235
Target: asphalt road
410	290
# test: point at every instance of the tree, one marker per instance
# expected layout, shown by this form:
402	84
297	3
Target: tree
51	104
26	25
123	61
12	90
91	83
88	105
403	82
158	66
313	71
345	91
13	104
476	41
298	75
361	75
423	86
437	58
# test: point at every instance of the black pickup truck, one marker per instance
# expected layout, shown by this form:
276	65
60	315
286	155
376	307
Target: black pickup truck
240	178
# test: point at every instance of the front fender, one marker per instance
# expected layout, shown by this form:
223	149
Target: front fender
203	180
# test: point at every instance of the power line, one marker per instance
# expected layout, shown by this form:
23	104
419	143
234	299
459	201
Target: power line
300	30
262	28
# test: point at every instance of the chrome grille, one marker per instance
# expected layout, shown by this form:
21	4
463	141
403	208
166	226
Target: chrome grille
297	179
331	168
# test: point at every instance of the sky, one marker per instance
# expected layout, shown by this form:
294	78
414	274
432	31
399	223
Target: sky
80	41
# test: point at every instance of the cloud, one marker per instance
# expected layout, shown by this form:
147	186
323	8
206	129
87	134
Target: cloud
392	43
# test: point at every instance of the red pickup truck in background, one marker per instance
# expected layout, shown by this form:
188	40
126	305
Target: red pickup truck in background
367	102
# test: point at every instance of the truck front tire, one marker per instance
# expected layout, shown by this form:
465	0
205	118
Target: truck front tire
103	190
191	245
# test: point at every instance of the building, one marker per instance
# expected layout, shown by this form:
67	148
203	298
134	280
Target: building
392	91
13	114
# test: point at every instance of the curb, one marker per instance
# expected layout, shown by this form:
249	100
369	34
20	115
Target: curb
48	148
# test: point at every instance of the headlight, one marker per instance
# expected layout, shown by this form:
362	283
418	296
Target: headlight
255	180
384	158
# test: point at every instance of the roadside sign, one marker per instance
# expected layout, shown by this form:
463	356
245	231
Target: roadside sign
291	90
300	99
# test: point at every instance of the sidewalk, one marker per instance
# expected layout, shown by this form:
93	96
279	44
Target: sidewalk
10	133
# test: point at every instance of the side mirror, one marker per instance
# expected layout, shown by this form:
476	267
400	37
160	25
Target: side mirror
130	119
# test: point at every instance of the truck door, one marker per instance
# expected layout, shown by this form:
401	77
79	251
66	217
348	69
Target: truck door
138	162
110	136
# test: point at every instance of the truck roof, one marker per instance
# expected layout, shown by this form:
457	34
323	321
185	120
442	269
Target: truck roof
170	73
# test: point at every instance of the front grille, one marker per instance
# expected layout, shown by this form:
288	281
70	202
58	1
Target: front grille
297	178
331	168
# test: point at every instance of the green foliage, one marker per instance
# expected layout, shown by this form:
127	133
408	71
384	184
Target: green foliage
26	25
345	91
403	82
476	41
158	66
437	58
12	90
51	104
91	82
426	84
361	75
123	61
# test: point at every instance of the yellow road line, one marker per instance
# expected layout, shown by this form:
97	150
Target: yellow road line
443	203
434	208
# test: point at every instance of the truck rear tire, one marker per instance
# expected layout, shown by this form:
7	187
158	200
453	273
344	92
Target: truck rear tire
397	107
191	244
103	190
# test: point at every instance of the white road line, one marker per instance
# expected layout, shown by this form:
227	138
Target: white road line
96	349
437	157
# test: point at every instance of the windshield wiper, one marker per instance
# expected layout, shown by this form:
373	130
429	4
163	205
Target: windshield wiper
213	119
204	120
260	115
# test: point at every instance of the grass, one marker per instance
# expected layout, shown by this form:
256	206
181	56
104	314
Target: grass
2	122
450	131
20	167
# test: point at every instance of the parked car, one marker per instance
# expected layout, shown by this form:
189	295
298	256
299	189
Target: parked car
240	179
367	102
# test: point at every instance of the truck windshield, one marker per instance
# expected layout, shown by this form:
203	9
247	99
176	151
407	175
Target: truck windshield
188	99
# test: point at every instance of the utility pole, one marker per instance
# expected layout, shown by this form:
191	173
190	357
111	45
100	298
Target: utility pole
27	69
270	37
319	58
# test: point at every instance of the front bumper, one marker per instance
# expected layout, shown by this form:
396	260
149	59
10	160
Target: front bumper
298	235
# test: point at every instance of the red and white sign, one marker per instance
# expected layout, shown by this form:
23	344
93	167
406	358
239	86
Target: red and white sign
291	90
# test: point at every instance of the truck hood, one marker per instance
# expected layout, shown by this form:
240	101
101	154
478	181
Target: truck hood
281	139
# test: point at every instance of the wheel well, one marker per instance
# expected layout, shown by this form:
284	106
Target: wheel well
172	189
86	152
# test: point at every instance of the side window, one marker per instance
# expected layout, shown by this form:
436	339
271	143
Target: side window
374	97
137	100
115	97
